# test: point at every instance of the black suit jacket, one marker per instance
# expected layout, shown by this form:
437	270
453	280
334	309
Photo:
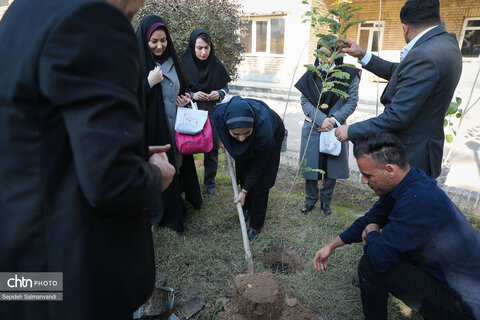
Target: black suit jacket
417	96
74	183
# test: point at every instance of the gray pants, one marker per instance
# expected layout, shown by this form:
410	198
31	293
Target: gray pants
326	192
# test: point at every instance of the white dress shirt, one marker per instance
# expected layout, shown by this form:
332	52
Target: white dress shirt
403	53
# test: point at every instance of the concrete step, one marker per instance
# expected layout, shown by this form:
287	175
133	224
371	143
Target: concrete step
265	93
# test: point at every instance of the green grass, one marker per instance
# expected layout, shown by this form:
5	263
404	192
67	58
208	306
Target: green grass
204	259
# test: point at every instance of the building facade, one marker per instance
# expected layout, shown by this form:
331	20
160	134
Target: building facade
382	32
275	40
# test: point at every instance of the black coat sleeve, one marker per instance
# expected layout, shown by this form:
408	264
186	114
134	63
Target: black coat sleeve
256	171
92	74
263	160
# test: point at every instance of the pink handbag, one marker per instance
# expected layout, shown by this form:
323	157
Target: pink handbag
201	142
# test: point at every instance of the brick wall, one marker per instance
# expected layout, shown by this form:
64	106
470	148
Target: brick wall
313	31
263	68
453	11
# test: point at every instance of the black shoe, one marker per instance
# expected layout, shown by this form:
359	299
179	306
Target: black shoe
209	192
356	282
326	209
306	209
252	233
246	215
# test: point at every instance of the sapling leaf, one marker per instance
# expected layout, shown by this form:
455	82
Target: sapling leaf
355	9
339	92
452	108
340	82
345	65
350	16
340	74
352	23
334	12
340	55
311	67
322	43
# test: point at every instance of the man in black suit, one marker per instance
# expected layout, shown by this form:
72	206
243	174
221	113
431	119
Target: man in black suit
75	183
420	87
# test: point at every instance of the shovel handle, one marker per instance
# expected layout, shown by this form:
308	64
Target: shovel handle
246	243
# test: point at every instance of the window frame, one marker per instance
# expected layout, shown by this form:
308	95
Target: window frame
268	19
371	32
462	35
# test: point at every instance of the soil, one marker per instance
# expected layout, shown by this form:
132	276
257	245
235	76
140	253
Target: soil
259	297
280	259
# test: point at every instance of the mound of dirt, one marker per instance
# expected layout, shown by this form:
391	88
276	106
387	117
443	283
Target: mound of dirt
259	297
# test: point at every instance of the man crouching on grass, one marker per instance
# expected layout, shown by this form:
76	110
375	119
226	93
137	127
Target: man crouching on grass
426	254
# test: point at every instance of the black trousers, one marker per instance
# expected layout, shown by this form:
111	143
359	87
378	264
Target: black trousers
256	200
413	286
210	159
210	163
256	203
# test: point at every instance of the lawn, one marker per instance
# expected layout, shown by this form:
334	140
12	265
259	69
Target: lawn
203	260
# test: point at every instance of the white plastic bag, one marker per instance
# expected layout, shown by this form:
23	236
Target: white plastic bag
190	121
329	143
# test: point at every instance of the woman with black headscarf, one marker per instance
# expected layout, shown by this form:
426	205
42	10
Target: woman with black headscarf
165	87
253	134
330	107
209	84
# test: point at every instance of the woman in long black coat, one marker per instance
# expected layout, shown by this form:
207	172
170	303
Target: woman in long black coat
253	134
322	120
165	87
209	84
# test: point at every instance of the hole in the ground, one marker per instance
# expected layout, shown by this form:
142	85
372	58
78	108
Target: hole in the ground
282	259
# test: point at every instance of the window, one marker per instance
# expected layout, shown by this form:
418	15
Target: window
264	35
470	38
246	38
370	35
277	35
261	36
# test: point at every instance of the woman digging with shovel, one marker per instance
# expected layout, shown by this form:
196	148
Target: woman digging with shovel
252	133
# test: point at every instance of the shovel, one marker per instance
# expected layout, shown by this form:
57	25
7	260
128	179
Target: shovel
246	243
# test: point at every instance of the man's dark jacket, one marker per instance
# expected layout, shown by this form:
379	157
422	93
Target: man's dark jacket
417	96
421	225
73	179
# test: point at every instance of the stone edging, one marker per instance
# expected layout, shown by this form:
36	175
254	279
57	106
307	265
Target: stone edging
466	200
